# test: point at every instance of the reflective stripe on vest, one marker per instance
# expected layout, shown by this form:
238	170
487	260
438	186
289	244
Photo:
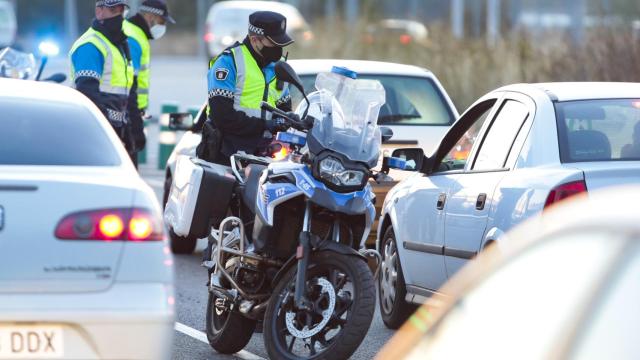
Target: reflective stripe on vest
117	74
135	32
250	83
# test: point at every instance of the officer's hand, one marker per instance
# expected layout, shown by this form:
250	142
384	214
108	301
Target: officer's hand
277	124
293	116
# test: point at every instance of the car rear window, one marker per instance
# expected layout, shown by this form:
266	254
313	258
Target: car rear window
599	130
36	133
409	100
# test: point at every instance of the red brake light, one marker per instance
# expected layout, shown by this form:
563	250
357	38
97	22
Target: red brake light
110	225
209	37
405	39
564	191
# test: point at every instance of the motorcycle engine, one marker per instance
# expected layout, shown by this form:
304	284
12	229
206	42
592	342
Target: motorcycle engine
248	274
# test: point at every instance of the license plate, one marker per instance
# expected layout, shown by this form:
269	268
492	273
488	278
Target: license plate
31	342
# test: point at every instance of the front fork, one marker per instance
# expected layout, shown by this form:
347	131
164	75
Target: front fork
302	255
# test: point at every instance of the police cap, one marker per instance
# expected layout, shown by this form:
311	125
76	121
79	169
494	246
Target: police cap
157	7
271	25
111	3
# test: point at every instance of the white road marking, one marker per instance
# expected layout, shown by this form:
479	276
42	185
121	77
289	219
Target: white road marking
199	335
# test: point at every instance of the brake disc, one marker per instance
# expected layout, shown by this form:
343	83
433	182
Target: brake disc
306	332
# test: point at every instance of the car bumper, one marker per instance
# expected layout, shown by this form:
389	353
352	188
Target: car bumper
129	321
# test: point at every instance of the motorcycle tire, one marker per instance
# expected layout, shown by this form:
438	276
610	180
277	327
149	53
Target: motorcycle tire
358	314
228	332
180	244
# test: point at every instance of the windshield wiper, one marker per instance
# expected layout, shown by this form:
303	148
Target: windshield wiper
396	117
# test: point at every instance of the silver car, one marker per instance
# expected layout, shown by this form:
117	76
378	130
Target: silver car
417	109
85	270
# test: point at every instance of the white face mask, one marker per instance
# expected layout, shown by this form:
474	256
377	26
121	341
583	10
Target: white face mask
157	31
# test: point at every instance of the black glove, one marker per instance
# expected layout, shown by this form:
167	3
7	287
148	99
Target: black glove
277	124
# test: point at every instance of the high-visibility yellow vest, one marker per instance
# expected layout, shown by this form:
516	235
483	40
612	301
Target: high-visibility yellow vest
134	31
250	83
117	73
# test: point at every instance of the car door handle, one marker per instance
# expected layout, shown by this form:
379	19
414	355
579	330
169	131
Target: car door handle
441	200
482	198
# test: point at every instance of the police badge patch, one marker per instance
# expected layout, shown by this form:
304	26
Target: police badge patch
221	74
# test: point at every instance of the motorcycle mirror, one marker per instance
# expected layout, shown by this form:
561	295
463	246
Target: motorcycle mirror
286	73
57	78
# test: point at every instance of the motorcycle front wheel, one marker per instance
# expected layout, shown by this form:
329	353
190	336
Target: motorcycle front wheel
341	292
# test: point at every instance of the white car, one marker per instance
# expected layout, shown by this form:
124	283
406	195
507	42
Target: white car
228	22
418	110
8	24
85	270
513	153
565	287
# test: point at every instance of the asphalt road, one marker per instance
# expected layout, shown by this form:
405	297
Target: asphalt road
191	295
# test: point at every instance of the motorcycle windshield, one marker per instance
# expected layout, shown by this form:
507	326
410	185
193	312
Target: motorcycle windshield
346	113
16	64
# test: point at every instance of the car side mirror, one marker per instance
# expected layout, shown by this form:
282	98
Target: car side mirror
180	121
386	133
408	159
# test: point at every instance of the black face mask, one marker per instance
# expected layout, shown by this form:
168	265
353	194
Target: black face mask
113	25
271	54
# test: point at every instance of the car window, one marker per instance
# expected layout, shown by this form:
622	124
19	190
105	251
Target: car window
456	158
499	137
612	332
521	309
408	100
599	130
48	133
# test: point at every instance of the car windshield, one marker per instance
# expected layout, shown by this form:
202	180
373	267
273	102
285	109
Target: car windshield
50	133
599	130
408	100
346	112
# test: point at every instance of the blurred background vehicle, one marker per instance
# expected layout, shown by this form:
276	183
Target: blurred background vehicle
8	24
532	145
565	287
418	110
16	64
85	272
228	21
397	31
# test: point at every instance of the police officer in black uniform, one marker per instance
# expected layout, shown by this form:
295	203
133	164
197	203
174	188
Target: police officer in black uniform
239	80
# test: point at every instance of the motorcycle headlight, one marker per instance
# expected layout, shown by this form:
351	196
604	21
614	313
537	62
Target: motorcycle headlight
332	170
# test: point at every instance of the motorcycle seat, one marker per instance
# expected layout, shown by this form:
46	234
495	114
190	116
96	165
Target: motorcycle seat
249	191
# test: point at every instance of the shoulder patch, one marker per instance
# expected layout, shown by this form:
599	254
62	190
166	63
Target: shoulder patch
221	74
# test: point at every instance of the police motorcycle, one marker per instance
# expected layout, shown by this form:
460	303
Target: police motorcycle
292	251
15	64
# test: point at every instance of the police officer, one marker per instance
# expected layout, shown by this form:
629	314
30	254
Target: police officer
101	65
239	80
149	23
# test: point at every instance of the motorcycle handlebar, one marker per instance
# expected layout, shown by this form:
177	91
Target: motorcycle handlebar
295	123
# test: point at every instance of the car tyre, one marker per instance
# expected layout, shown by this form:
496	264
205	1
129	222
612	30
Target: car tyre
392	290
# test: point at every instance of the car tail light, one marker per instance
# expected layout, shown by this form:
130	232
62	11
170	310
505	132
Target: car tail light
110	225
208	35
405	39
564	191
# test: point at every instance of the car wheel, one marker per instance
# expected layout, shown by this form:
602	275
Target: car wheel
394	309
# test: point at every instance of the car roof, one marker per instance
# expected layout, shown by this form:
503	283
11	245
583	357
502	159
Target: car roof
314	66
41	91
249	4
568	91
